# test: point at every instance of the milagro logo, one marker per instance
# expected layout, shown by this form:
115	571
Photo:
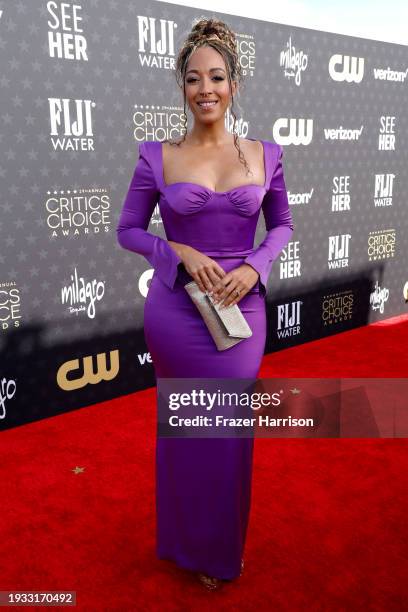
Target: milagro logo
340	200
65	39
74	212
81	295
7	392
383	187
289	319
337	307
293	62
297	131
10	305
378	298
346	68
71	124
338	256
241	127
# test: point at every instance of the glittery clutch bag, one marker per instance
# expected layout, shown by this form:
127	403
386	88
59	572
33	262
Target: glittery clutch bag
227	325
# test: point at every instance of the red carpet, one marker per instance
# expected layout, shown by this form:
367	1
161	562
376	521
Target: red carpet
328	526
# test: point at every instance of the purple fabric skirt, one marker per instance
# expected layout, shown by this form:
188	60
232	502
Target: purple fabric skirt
203	485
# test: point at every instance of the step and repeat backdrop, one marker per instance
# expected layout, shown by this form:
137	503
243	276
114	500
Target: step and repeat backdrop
82	85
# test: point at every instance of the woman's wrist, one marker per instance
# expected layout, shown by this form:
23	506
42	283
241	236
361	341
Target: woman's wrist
252	268
179	247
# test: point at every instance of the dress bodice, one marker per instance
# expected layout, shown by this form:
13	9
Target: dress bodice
215	223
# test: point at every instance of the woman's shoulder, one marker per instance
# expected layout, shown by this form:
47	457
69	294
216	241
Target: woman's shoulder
149	145
273	147
150	149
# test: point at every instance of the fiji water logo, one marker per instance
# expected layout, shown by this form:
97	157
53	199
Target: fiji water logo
71	124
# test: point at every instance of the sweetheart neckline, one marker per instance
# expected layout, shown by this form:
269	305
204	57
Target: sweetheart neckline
166	186
211	190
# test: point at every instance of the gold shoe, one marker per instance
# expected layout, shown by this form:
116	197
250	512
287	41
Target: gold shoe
209	582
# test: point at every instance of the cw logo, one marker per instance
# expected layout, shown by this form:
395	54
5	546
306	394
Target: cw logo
85	374
300	131
351	69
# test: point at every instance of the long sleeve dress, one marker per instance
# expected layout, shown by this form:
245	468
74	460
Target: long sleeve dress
203	485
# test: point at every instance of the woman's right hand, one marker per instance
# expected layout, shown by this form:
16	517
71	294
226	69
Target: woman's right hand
205	271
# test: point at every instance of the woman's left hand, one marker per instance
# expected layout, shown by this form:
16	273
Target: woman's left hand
241	279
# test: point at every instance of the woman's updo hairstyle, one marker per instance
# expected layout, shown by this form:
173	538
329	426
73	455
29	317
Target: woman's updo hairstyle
217	34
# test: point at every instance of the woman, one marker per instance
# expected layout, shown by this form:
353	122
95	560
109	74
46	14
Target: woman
210	208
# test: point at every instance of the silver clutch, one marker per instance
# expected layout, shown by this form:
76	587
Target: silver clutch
227	325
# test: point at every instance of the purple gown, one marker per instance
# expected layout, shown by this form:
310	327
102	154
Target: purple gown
203	485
